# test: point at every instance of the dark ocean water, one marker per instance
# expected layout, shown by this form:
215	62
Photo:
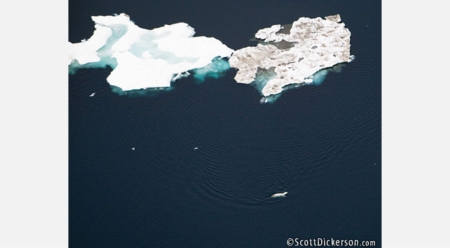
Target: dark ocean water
321	143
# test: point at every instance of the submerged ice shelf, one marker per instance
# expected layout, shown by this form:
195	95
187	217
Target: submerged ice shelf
293	56
144	58
286	56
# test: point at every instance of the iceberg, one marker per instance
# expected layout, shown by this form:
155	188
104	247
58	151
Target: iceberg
292	54
142	58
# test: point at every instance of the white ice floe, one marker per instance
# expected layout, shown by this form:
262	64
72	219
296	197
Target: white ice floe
144	58
295	56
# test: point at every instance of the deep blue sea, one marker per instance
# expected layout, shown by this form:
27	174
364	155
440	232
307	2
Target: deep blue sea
321	143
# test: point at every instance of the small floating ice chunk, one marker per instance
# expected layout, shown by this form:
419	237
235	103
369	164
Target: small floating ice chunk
91	95
133	148
276	195
351	58
196	148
